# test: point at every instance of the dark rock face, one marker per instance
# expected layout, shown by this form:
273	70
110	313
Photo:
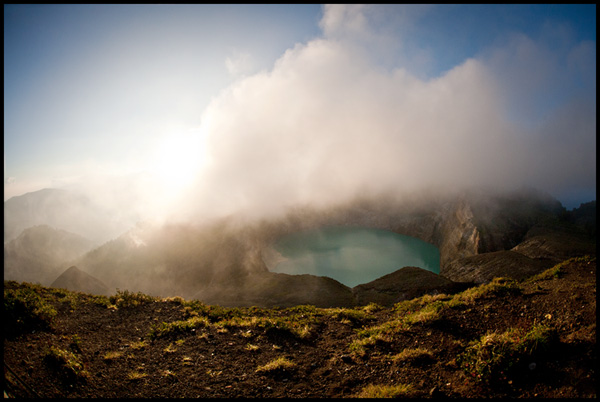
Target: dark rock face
483	268
269	289
404	284
76	280
555	247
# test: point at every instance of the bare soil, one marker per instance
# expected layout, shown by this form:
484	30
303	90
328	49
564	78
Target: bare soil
212	362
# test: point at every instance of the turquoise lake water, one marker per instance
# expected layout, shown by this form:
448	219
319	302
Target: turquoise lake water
353	255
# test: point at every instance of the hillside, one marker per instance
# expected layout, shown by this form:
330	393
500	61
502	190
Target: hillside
533	338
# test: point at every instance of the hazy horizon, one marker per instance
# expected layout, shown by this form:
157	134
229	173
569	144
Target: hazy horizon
188	111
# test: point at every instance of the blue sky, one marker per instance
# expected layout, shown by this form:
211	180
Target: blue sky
264	106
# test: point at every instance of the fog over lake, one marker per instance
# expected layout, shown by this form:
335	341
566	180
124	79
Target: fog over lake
352	255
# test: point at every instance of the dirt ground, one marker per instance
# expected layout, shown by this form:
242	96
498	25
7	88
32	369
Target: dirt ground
216	362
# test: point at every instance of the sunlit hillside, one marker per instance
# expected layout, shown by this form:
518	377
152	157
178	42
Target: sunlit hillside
505	339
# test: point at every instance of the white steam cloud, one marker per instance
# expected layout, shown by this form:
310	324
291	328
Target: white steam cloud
328	123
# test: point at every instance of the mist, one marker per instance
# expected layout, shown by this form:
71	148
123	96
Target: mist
327	123
363	110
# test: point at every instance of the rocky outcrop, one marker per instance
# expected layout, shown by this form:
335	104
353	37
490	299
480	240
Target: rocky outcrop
458	235
482	268
269	289
76	280
555	247
404	284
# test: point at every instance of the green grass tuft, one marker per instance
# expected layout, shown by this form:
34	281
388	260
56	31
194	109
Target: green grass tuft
385	391
278	364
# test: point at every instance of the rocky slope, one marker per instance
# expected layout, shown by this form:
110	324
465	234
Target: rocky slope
404	284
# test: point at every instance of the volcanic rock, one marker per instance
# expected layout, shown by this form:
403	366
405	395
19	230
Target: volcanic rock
403	284
484	267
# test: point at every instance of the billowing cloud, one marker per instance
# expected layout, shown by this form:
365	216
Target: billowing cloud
328	122
364	108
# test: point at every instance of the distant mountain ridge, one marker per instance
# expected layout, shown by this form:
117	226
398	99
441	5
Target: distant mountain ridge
40	253
480	236
222	263
60	209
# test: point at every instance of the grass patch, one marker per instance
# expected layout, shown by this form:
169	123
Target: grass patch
136	375
170	349
497	287
125	298
66	363
555	271
294	326
26	310
413	355
297	321
99	300
138	345
495	355
110	356
252	348
350	316
278	364
429	313
164	329
174	299
372	308
368	337
385	391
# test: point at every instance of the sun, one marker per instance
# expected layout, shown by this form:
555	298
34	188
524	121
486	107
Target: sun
178	158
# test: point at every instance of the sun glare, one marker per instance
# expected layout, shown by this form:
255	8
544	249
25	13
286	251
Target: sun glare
179	157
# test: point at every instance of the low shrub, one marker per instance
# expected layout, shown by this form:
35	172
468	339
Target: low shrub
164	329
66	363
25	310
496	355
125	298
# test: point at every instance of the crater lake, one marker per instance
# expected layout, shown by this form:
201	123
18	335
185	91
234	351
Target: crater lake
351	255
